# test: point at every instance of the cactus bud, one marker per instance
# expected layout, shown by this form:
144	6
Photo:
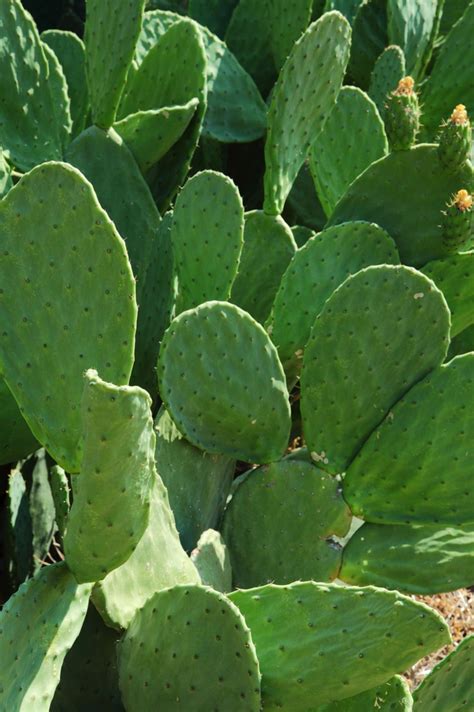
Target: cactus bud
455	139
402	115
457	220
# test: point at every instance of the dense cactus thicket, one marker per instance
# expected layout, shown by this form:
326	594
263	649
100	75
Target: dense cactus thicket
236	354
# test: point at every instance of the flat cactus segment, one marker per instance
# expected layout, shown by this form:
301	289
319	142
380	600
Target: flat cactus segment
279	523
235	111
450	685
416	181
369	39
211	558
348	8
251	418
71	53
212	664
454	276
198	483
16	439
158	562
29	133
61	496
17	530
42	511
302	100
303	205
6	181
389	68
353	137
214	14
38	626
68	247
110	509
400	475
419	559
412	26
392	696
111	33
462	343
287	21
381	331
301	629
207	238
302	234
61	103
89	675
104	159
157	299
268	249
449	80
150	134
316	270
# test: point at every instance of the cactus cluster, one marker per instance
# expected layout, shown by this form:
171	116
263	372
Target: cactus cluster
236	355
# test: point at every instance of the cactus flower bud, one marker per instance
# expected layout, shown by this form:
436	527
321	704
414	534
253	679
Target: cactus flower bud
457	220
455	139
402	115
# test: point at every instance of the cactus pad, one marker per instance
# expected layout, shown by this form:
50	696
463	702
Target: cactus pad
111	502
405	193
401	474
316	270
302	100
380	332
268	248
231	401
70	247
279	523
214	14
450	685
412	26
211	559
16	439
392	696
207	237
353	137
189	648
301	629
419	559
454	276
61	496
197	482
388	70
287	21
369	39
38	625
111	33
158	562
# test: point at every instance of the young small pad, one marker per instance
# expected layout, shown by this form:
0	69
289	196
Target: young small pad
387	72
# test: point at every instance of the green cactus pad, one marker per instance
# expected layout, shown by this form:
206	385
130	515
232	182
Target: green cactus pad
150	134
60	97
157	300
420	559
405	193
380	332
235	112
16	439
353	137
111	33
214	14
455	277
420	454
316	270
211	558
369	39
207	237
110	510
412	26
450	685
303	206
5	176
69	247
449	81
347	7
302	100
42	511
302	234
287	22
89	676
38	625
279	523
197	482
158	562
301	629
268	248
387	72
104	159
462	343
17	531
29	129
392	696
61	496
189	648
70	51
232	397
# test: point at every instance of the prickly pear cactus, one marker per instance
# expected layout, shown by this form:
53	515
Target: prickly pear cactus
402	115
455	138
457	220
449	686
